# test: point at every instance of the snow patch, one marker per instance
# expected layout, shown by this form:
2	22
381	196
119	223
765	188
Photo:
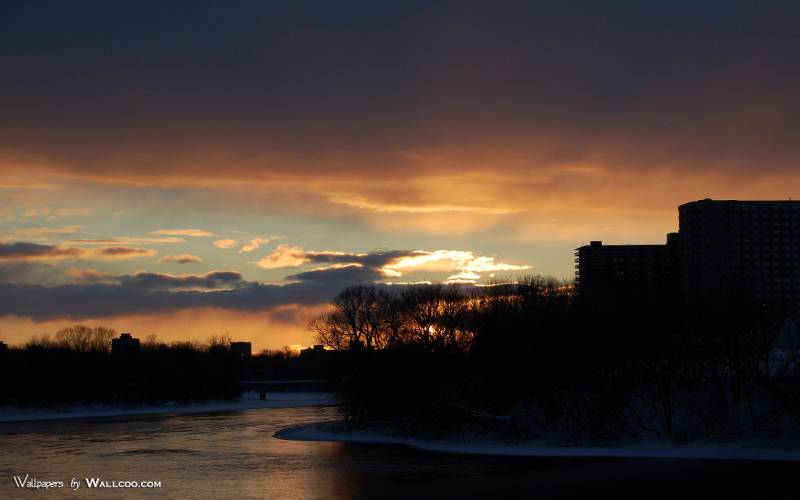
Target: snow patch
773	451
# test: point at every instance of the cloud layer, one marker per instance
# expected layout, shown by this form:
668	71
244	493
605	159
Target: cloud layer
382	265
153	293
99	294
33	251
445	118
519	129
25	251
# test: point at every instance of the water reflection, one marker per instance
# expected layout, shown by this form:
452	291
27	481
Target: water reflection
234	455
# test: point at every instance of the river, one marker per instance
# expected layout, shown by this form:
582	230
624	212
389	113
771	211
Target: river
234	455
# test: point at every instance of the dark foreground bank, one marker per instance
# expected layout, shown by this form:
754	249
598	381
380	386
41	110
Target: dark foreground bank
773	450
240	458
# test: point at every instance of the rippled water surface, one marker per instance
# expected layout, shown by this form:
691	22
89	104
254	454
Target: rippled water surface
234	455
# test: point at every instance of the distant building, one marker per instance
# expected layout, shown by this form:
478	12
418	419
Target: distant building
241	350
639	272
314	350
125	344
753	246
3	346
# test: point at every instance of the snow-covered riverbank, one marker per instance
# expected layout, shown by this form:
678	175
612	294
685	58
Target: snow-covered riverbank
249	400
750	450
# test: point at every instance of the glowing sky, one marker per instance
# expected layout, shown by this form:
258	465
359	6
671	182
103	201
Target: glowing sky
188	168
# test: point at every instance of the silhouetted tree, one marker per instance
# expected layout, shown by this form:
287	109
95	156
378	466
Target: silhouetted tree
360	318
81	338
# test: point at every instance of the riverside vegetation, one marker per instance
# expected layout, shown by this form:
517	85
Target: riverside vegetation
530	359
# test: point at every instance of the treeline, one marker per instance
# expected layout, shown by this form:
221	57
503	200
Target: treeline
76	366
530	359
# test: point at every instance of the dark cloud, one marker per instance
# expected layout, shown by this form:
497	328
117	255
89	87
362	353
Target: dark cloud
371	260
88	276
26	251
101	295
181	259
349	268
77	302
339	275
123	252
15	271
315	87
288	256
214	279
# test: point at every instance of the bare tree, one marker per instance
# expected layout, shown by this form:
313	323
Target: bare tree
42	341
358	318
331	330
82	338
221	341
437	315
395	321
151	342
421	304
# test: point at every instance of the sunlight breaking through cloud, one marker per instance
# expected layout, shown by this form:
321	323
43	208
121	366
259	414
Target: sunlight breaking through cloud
465	262
391	264
196	233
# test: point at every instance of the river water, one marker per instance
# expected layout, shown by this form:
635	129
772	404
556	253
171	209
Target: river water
234	455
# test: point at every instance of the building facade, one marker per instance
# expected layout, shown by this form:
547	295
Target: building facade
125	344
636	272
242	350
749	247
723	248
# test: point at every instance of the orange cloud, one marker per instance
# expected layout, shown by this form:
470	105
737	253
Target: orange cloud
196	233
254	244
42	232
361	203
126	240
121	253
284	256
226	243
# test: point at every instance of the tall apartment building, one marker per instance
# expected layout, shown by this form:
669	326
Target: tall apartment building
747	246
722	247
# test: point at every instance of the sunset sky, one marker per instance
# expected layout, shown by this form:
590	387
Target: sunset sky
191	168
